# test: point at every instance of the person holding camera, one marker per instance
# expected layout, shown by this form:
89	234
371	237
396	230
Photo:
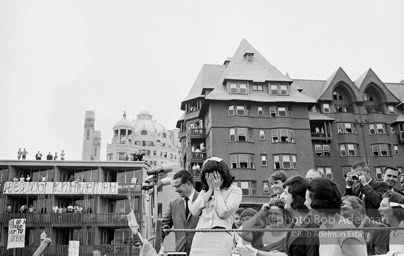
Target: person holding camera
360	184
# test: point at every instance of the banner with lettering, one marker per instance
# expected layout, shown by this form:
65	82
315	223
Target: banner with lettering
59	188
16	233
74	248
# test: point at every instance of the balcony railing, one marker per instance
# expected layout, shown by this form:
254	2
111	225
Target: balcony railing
200	131
198	156
68	219
62	250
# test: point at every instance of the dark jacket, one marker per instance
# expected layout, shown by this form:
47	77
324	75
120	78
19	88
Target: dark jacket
302	243
372	193
377	242
175	216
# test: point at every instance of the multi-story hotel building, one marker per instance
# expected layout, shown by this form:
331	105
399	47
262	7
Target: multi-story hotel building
97	194
260	121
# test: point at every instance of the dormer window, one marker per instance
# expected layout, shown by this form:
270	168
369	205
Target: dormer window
391	110
238	88
143	132
279	89
249	56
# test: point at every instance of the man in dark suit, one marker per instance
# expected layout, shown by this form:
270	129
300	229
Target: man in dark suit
360	184
377	242
178	214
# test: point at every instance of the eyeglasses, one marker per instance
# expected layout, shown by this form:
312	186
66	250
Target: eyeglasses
177	186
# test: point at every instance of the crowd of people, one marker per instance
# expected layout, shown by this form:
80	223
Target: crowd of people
337	222
22	155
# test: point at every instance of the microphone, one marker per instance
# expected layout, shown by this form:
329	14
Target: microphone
164	182
160	169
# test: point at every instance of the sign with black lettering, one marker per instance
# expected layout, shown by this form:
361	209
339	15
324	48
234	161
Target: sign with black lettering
16	233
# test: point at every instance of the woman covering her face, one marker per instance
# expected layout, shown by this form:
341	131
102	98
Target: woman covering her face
216	204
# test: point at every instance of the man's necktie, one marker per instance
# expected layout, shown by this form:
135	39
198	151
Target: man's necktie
186	206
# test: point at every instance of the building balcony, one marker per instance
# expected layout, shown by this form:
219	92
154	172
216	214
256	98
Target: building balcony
198	157
197	133
84	250
69	219
320	136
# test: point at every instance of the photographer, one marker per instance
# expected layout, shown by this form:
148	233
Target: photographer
360	184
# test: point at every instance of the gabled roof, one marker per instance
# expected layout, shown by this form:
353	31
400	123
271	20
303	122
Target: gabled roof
257	70
311	88
397	89
335	78
294	96
370	77
208	77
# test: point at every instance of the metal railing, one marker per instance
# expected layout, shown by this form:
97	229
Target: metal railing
62	250
69	219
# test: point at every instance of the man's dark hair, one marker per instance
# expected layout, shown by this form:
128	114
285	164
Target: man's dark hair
362	165
185	177
279	175
239	211
391	168
325	196
297	186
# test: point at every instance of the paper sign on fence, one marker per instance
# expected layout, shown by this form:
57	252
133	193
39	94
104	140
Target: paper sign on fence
74	248
16	233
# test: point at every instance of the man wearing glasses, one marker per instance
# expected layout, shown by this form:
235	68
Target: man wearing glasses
178	214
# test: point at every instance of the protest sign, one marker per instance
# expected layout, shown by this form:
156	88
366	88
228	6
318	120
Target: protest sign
16	233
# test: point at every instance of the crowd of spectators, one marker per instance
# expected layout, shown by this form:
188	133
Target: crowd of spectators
22	155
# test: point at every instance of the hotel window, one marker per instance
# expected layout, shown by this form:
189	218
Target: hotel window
348	150
233	88
248	188
285	161
243	89
279	89
391	110
283	136
393	129
322	150
345	128
367	97
238	88
377	129
380	150
327	171
326	108
231	110
241	110
337	95
260	111
379	175
262	134
280	111
396	150
264	161
265	187
257	88
232	135
244	161
243	134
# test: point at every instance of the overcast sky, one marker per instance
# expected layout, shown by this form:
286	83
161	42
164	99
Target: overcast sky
61	58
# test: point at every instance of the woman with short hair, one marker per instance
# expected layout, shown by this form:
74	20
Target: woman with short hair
323	199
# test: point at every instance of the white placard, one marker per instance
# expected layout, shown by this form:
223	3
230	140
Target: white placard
74	248
16	233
